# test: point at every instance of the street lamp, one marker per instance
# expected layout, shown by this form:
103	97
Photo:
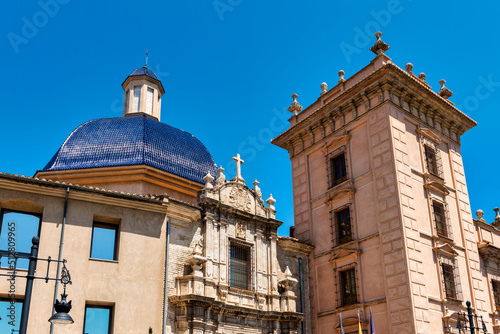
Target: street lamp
61	317
62	308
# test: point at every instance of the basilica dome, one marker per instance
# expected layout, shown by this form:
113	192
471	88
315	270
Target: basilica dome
134	140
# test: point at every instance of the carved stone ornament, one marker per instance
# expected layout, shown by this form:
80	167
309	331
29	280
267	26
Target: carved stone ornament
262	302
295	107
240	199
256	189
341	76
444	92
380	46
221	178
496	223
241	230
324	88
409	68
208	181
222	295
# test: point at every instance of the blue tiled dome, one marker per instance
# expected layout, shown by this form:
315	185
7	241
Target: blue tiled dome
134	140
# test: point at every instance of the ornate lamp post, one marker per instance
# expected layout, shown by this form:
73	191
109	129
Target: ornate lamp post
62	308
473	321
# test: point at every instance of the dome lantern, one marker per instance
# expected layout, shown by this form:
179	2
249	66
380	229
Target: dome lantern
143	92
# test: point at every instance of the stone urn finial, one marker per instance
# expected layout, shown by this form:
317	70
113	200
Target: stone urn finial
444	92
341	76
324	88
256	189
480	214
496	223
221	178
295	107
208	181
409	68
270	201
288	281
380	46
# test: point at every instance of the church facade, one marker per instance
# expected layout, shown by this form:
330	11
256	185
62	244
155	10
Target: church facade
152	240
379	189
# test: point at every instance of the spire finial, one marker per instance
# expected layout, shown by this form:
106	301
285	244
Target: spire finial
147	55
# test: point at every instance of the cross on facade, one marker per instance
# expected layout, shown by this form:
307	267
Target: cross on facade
239	162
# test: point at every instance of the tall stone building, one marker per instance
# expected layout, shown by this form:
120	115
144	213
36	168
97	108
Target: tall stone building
150	239
379	189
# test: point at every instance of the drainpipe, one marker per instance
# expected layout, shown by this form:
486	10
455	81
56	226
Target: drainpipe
59	257
301	293
165	307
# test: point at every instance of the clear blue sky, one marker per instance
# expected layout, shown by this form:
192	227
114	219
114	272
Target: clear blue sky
229	68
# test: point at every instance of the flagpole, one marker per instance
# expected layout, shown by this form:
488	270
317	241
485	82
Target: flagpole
372	326
359	324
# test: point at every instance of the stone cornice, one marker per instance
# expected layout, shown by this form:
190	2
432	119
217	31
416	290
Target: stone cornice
56	189
103	175
401	87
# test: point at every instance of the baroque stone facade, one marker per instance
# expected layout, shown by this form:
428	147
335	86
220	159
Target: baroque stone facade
214	297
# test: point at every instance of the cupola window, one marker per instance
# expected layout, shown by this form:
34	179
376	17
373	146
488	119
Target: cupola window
137	98
149	101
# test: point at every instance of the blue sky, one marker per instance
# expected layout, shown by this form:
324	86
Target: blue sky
229	68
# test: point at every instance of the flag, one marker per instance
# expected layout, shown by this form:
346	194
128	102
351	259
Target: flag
341	326
372	326
359	324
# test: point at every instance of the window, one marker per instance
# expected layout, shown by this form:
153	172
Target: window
149	101
104	241
449	281
348	295
338	170
440	219
10	315
343	225
239	266
98	319
137	98
336	166
433	160
17	230
496	293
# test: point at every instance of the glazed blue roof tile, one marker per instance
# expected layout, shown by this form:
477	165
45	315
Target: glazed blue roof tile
134	140
144	71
